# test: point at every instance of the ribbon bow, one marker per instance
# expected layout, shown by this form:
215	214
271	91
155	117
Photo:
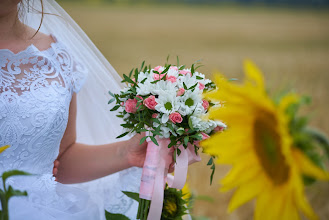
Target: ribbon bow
155	172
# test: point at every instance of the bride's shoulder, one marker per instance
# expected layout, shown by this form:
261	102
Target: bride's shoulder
28	38
41	40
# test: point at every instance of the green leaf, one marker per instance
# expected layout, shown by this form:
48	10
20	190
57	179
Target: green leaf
192	87
142	140
127	79
127	125
192	69
186	139
115	108
180	131
111	94
143	81
132	195
166	69
185	87
198	67
111	100
122	135
131	72
154	140
142	66
190	124
10	173
112	216
199	77
11	193
210	161
182	67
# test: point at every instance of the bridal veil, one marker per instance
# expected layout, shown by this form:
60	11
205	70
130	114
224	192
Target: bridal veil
95	123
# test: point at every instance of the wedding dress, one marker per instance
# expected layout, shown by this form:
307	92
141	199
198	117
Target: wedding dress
36	88
35	93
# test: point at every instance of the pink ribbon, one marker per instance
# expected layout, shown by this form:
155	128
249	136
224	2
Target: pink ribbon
155	173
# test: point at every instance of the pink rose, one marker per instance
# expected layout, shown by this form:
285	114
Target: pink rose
158	76
218	128
175	117
122	103
150	102
205	104
173	68
154	115
201	86
131	106
159	69
204	136
171	79
180	91
184	72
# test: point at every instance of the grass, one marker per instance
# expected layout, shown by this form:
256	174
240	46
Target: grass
290	46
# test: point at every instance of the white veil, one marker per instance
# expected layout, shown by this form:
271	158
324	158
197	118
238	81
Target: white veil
95	123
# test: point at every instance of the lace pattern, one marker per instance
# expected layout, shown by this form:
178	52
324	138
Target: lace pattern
35	92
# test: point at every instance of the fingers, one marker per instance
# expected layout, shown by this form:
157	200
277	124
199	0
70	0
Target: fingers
55	169
171	167
56	163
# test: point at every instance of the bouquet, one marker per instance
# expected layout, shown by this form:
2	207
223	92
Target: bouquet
165	102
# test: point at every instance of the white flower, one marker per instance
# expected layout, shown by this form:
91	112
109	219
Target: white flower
188	80
172	72
204	81
163	87
167	102
203	125
199	110
189	101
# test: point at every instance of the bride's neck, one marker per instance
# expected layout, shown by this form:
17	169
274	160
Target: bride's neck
11	27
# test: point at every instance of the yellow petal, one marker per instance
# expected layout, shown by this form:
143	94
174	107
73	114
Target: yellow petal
301	200
246	192
307	167
290	211
262	205
254	74
288	100
3	148
240	174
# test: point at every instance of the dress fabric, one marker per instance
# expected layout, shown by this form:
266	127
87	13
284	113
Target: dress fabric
36	89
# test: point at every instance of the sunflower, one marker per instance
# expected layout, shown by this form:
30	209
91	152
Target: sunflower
2	149
257	144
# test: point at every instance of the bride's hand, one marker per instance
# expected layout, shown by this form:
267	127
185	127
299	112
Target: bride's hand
136	153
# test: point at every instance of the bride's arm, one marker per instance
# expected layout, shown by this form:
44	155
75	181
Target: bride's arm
79	162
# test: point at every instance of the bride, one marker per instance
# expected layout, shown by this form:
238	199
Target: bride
53	105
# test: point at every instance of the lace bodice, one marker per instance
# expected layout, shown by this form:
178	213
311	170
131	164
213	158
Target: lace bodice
36	88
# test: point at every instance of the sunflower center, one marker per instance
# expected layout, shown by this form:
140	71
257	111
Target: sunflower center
168	106
189	102
268	149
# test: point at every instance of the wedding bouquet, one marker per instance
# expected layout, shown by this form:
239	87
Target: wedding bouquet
165	102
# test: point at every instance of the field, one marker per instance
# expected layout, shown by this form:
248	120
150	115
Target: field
291	47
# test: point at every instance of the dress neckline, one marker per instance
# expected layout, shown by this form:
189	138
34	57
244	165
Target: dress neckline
34	48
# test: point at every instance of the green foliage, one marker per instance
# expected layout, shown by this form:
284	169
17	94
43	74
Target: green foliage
308	140
9	192
111	216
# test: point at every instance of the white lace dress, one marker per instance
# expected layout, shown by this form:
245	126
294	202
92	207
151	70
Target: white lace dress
36	88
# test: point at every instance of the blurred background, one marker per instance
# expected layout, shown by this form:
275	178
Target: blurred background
287	39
